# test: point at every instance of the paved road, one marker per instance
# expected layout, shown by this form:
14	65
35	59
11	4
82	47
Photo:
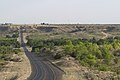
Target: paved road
41	68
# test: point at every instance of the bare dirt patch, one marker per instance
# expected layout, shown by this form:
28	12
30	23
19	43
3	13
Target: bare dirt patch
75	71
16	70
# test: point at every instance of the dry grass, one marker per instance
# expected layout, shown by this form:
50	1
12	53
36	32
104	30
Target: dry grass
20	70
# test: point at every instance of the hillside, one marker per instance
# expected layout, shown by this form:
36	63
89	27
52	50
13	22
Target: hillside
82	51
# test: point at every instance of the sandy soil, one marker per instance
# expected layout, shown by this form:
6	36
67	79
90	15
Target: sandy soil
105	35
17	70
75	71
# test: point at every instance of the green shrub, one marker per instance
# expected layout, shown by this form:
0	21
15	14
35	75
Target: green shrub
16	51
103	67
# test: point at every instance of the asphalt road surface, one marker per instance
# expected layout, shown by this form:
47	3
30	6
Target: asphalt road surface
42	69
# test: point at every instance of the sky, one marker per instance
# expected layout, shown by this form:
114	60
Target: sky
60	11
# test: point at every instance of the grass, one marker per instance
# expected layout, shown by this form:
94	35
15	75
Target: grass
45	36
2	61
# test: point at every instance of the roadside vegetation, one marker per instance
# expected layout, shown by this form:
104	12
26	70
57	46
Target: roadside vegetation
102	54
12	57
86	51
8	47
91	51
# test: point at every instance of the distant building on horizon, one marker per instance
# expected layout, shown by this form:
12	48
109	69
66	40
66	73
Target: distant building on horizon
6	24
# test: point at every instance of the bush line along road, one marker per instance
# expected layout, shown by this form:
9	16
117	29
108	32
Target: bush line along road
41	68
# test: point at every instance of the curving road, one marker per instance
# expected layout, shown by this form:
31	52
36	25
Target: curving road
41	68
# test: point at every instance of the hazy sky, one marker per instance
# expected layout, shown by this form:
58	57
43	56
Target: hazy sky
60	11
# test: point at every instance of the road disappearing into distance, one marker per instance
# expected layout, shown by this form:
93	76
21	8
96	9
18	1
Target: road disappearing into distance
42	69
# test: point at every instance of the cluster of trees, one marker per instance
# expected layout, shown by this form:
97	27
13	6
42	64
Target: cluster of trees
100	54
8	47
37	44
6	52
14	35
89	53
9	42
40	42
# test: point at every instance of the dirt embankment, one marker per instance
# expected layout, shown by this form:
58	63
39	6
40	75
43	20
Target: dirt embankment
75	71
20	70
